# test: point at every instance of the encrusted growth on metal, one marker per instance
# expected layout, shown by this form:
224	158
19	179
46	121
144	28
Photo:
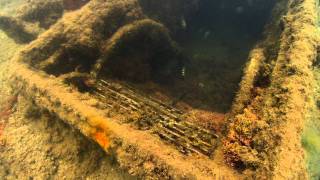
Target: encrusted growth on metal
161	119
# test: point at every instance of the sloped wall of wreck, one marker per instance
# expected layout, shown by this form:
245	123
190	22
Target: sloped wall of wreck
271	107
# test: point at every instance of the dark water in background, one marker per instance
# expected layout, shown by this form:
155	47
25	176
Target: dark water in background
217	39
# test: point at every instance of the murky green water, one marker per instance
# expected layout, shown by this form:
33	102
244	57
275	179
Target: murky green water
311	143
311	134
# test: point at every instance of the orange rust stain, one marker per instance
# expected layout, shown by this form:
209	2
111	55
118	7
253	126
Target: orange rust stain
102	139
100	130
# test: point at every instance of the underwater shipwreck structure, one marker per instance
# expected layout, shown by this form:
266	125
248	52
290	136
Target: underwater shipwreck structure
182	89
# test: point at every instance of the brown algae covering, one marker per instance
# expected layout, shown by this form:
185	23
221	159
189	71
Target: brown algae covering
265	135
34	16
117	70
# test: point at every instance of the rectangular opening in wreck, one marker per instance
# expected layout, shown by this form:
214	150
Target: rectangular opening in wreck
175	76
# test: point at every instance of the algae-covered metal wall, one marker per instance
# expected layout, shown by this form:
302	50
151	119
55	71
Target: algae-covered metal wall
275	96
